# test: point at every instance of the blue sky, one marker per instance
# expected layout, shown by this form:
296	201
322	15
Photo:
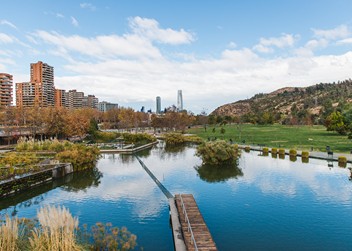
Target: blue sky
217	52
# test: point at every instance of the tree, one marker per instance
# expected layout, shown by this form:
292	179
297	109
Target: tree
336	122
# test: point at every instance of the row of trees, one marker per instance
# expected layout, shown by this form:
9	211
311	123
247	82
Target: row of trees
63	123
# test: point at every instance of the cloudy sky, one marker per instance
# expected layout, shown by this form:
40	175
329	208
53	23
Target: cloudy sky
216	52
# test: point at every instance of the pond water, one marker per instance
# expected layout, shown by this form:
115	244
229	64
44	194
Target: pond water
263	204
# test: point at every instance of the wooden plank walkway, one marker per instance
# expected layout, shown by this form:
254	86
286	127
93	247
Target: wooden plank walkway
201	239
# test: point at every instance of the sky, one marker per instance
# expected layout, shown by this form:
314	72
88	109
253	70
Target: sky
216	52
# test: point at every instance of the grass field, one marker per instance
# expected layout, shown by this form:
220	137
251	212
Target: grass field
290	137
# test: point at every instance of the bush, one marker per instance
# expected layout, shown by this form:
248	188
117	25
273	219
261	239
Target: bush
174	139
282	151
217	152
265	150
138	138
305	154
342	159
80	156
293	152
247	148
274	150
31	145
105	137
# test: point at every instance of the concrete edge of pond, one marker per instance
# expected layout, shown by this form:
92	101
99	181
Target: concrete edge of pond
129	150
312	154
176	227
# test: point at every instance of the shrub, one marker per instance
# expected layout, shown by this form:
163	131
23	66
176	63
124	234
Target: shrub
265	150
293	152
342	159
174	139
178	139
138	138
305	154
274	150
247	148
31	145
105	137
216	152
80	156
282	151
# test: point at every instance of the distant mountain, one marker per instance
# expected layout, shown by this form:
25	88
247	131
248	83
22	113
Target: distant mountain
297	103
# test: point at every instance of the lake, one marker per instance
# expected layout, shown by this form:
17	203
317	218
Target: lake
264	203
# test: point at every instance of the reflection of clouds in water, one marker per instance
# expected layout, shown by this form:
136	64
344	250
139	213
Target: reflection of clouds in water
121	182
275	176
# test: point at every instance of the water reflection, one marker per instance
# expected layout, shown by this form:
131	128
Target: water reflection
277	176
74	182
211	173
83	180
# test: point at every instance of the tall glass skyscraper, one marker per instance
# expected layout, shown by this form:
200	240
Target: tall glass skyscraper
179	100
158	105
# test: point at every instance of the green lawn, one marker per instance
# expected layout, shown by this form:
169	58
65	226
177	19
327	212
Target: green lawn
290	137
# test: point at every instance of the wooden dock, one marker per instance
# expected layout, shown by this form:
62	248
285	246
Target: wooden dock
195	232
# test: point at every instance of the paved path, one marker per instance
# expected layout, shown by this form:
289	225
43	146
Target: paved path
312	154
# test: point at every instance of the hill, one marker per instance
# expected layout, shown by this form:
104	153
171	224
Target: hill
291	105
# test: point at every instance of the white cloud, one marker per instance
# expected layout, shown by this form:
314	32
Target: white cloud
341	31
6	39
59	15
101	46
266	44
74	22
88	6
345	41
149	28
6	22
232	45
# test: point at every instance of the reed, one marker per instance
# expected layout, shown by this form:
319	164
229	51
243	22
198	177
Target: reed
9	234
56	230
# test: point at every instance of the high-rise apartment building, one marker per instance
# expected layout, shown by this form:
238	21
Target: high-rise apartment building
179	100
158	105
60	98
39	91
90	101
42	75
28	94
74	99
5	89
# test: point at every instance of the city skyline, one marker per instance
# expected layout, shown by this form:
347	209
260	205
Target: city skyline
132	51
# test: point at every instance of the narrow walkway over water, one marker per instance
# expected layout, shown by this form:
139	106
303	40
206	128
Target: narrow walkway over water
158	183
188	227
195	232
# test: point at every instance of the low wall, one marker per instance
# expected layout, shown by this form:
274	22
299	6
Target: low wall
19	184
129	150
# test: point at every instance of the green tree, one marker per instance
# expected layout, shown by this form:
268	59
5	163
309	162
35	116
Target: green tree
336	122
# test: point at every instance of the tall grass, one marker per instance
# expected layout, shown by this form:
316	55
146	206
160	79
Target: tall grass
9	234
56	231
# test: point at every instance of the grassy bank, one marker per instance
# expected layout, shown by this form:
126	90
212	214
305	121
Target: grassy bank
297	137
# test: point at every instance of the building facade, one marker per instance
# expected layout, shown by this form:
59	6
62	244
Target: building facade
179	100
42	75
90	101
158	105
74	99
106	106
6	87
60	98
